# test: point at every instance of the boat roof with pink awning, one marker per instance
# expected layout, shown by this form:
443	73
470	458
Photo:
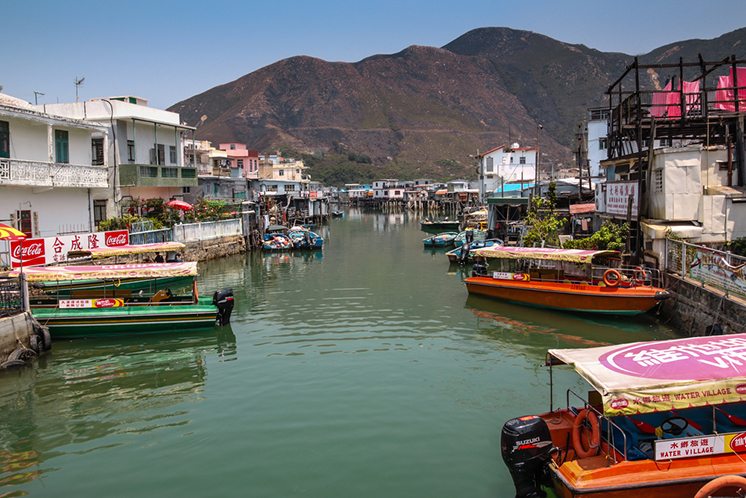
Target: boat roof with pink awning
543	253
653	376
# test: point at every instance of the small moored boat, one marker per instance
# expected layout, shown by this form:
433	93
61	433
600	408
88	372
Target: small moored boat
567	280
465	253
118	311
304	239
476	235
435	225
664	419
443	239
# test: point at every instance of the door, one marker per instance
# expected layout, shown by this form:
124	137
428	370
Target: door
61	146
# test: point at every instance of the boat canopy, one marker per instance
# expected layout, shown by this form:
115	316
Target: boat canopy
108	272
658	376
105	252
542	253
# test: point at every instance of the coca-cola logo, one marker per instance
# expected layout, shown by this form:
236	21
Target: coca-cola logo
618	404
105	303
28	250
117	239
738	443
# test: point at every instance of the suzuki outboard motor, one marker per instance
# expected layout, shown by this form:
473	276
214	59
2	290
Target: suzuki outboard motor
479	269
223	299
527	447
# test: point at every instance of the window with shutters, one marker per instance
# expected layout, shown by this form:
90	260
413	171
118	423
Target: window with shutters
97	151
61	146
4	139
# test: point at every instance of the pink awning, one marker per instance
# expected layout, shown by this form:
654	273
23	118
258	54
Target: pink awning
583	208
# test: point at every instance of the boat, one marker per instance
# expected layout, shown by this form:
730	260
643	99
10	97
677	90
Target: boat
438	225
276	242
464	253
337	214
123	311
663	419
443	239
94	287
304	239
476	235
566	280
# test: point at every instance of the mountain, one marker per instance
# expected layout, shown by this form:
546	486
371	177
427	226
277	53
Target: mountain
424	110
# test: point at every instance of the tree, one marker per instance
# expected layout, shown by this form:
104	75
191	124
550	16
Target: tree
543	221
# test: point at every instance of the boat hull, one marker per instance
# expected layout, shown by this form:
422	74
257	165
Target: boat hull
126	320
569	297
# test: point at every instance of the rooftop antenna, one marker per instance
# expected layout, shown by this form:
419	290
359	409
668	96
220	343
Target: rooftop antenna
36	97
78	82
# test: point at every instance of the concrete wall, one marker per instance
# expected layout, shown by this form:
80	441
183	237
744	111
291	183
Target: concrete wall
57	209
693	308
29	141
214	248
13	329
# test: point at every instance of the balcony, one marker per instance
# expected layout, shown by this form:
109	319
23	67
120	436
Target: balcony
153	175
46	174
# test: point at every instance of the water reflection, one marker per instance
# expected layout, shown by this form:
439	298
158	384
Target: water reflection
88	390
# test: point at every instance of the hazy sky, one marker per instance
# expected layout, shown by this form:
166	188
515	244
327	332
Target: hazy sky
167	51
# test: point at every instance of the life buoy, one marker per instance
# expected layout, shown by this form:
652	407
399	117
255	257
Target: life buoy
640	275
577	427
720	483
612	282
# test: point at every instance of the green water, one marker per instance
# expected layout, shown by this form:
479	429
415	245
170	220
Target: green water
364	371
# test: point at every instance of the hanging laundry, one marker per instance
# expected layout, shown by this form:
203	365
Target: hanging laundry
659	108
692	96
724	94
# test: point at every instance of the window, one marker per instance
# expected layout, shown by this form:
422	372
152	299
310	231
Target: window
4	139
99	211
97	151
272	188
161	154
511	159
24	221
240	163
131	151
172	153
289	188
186	190
233	146
490	165
281	172
61	146
603	143
522	160
659	180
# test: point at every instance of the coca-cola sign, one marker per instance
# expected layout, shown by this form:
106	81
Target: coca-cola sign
117	238
29	252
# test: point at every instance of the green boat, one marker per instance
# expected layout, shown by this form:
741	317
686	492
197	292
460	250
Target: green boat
162	311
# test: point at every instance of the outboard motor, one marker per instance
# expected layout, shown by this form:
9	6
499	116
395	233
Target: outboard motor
526	448
223	299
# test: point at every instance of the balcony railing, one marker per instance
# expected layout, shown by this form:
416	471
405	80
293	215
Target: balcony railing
47	174
152	175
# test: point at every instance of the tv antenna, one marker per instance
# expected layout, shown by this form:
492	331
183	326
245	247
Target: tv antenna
36	97
78	82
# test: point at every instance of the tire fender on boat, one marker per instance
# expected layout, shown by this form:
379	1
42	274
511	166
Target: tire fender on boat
609	282
577	427
720	483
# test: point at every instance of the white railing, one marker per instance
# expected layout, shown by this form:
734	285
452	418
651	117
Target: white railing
718	269
47	174
207	230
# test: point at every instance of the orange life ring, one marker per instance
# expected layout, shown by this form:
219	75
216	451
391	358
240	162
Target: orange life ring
640	275
609	282
577	427
720	483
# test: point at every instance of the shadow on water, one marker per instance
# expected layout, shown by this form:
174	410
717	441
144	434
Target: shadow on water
85	390
567	329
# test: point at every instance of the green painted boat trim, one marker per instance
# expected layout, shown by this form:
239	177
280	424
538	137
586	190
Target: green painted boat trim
95	322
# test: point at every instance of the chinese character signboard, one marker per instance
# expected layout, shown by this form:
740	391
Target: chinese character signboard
672	449
49	250
618	195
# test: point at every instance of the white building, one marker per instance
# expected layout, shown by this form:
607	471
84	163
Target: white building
597	142
53	172
146	150
507	164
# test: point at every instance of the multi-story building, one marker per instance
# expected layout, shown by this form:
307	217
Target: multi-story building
243	160
53	171
146	150
506	164
275	167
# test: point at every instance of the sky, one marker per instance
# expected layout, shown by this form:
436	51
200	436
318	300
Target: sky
167	51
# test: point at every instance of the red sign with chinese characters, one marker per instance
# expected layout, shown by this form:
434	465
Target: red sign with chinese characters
54	249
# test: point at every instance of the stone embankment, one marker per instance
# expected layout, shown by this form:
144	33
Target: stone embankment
202	250
695	310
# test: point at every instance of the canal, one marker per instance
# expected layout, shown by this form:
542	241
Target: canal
361	371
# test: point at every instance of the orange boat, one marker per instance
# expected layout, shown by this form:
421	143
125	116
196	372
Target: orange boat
566	279
666	419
